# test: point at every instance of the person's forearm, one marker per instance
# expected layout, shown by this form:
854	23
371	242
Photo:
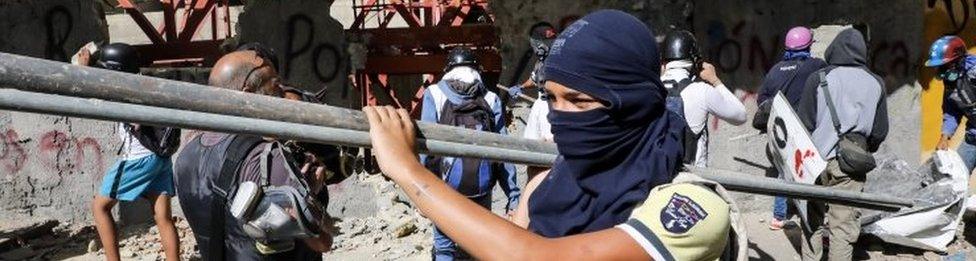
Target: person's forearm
483	234
489	237
728	107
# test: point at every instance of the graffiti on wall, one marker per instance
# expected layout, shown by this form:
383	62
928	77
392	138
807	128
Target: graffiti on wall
746	53
12	153
300	43
56	151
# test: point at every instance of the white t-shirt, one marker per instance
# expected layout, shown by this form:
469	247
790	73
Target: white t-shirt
131	148
700	100
537	126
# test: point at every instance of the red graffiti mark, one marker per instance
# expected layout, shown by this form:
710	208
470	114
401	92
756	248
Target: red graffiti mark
89	148
61	152
54	152
798	159
12	155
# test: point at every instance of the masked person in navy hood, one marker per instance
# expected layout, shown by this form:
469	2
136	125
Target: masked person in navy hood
844	107
616	147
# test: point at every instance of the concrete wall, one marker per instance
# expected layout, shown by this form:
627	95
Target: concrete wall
310	44
514	18
49	166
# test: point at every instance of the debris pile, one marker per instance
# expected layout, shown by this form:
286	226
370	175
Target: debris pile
394	231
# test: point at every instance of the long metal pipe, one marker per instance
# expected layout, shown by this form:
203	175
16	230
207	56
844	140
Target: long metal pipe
115	111
125	112
39	75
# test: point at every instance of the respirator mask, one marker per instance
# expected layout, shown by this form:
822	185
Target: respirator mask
275	216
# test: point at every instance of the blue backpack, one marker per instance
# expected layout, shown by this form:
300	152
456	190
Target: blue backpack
469	176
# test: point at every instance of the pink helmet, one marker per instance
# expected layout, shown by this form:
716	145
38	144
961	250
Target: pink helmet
798	38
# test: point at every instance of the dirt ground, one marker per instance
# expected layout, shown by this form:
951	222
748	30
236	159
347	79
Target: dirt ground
400	233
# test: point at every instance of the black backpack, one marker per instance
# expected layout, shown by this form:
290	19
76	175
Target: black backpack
470	115
163	141
676	104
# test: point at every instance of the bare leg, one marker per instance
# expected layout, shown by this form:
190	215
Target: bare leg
164	221
105	224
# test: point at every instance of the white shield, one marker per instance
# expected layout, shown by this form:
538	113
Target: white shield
794	154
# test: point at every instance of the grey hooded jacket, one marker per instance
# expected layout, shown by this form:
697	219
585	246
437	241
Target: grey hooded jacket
858	94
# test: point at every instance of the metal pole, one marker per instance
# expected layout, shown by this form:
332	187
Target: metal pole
114	111
38	75
124	112
737	181
521	95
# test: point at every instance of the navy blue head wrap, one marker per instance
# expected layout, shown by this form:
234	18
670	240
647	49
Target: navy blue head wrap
611	157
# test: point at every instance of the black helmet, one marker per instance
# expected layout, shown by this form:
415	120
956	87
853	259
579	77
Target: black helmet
461	56
541	36
680	45
118	57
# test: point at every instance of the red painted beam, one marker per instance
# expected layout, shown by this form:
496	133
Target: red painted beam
141	21
195	18
169	19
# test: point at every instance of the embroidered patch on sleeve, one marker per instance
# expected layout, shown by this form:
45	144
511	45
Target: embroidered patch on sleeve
681	214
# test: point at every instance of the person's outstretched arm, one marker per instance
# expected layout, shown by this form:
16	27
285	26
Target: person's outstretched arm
483	234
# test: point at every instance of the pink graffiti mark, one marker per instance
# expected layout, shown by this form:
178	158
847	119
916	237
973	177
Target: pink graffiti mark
12	155
798	159
60	152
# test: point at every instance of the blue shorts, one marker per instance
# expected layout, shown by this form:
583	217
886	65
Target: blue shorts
126	180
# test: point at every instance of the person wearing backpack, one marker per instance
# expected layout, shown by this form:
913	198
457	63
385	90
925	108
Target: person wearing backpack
461	99
144	168
788	76
695	92
845	108
248	197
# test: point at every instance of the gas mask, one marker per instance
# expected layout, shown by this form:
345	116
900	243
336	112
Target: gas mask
540	47
949	72
275	216
948	75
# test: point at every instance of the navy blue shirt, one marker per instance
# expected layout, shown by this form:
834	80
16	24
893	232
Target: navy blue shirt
789	76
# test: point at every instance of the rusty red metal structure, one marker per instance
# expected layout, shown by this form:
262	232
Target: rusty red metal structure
173	41
420	48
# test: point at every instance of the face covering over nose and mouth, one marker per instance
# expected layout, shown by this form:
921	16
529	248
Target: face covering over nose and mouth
610	157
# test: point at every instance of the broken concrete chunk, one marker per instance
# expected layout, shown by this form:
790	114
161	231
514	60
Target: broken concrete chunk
406	228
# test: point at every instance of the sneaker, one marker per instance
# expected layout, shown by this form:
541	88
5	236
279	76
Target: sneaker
776	224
